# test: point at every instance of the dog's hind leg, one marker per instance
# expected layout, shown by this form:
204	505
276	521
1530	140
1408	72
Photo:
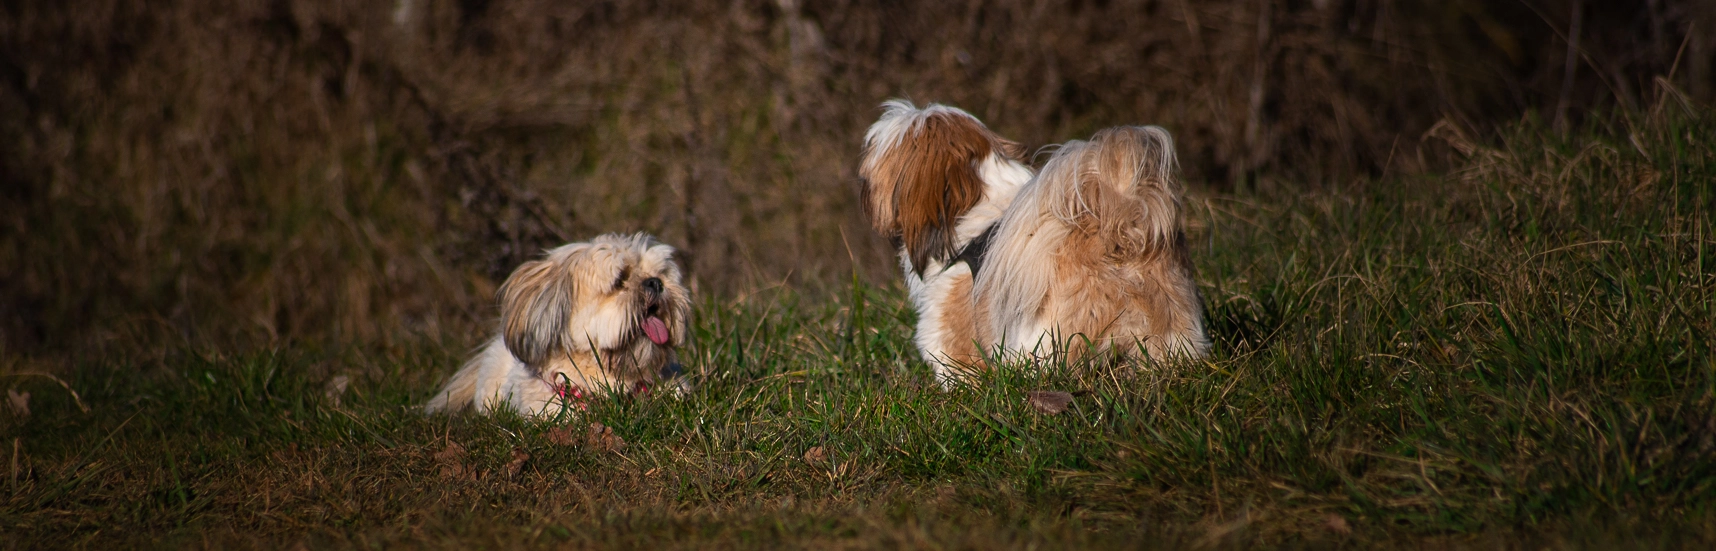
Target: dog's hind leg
460	392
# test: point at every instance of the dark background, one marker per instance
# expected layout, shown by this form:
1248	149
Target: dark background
252	172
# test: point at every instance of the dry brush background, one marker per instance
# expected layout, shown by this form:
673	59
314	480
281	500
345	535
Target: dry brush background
252	171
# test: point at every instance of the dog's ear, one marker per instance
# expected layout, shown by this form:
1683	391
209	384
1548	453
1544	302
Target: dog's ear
536	304
920	174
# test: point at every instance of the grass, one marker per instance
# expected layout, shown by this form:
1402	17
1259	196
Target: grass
1516	355
318	170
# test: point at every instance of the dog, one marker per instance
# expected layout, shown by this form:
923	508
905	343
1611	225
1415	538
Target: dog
587	319
1092	256
1002	261
934	181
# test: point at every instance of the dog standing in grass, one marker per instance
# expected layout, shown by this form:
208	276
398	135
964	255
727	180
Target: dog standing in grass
935	182
1088	254
587	319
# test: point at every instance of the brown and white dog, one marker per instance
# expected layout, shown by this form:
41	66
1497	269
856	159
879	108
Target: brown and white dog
999	261
935	180
587	319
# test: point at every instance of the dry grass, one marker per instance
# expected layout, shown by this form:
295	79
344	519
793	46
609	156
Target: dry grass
1514	356
247	172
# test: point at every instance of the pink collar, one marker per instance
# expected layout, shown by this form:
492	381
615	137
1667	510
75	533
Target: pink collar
569	393
575	395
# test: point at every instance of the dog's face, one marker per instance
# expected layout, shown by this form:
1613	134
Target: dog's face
924	168
617	296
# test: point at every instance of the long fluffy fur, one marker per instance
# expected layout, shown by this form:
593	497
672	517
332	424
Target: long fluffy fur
1093	251
933	180
575	317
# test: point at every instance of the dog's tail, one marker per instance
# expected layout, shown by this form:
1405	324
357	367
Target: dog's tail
1120	185
460	391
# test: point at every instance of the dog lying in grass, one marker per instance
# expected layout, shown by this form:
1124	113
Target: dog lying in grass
588	319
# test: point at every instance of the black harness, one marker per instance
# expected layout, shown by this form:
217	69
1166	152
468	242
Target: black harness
975	251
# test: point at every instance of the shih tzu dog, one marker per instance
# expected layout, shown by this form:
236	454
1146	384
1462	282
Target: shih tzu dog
999	261
587	319
935	180
1092	256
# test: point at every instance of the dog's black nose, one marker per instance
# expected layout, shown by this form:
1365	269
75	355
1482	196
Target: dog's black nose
652	285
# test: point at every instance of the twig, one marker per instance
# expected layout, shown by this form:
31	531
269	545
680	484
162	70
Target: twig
849	256
82	457
1690	30
1570	66
694	145
1575	245
75	398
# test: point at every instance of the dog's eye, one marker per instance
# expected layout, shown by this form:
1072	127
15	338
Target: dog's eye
620	280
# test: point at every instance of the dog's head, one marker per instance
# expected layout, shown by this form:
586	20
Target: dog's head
619	296
924	168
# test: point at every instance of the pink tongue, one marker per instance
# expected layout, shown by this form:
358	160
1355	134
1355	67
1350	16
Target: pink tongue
655	329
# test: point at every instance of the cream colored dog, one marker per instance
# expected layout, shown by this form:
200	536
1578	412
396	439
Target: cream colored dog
586	320
1093	252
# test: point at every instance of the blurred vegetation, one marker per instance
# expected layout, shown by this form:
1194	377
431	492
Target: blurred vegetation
252	171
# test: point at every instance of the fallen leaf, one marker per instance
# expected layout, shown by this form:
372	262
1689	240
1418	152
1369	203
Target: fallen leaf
815	455
450	454
1049	402
1219	534
336	388
452	462
519	456
1337	524
286	455
457	471
602	438
563	436
20	402
598	437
